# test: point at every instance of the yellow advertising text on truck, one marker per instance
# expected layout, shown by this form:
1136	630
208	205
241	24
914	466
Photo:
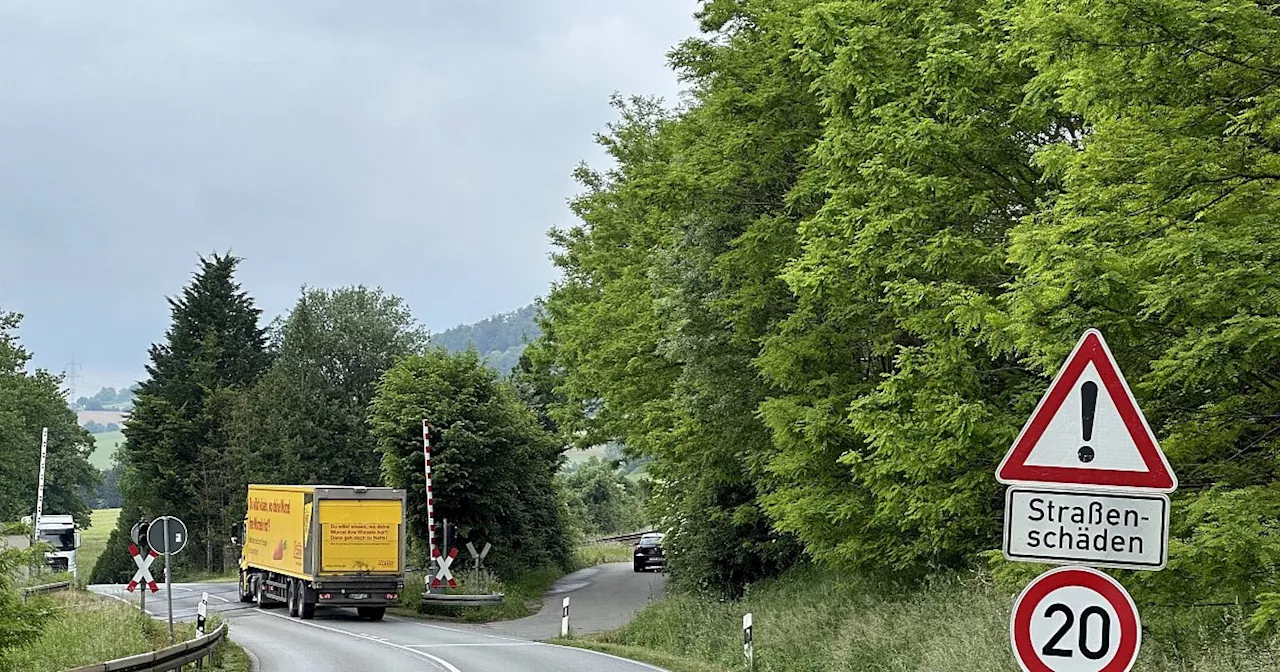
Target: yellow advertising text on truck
317	545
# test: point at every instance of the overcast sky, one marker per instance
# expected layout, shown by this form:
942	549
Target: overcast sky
421	145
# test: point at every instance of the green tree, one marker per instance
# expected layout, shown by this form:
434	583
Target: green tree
1164	237
28	403
601	501
177	456
306	420
492	464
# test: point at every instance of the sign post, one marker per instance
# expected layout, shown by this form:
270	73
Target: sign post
172	538
1089	488
748	646
138	533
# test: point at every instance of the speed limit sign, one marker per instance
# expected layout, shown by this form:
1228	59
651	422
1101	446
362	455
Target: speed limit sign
1075	619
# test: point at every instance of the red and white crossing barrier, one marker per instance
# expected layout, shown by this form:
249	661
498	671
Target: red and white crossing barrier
143	575
431	502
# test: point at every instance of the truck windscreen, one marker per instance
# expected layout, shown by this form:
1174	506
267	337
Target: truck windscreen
60	540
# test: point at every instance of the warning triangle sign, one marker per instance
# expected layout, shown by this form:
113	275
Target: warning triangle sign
1087	430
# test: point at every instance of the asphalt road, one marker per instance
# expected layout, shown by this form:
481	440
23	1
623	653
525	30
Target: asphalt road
602	598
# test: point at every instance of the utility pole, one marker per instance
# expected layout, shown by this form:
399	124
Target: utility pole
44	451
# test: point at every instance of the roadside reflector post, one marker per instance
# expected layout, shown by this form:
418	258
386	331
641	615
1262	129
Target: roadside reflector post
748	648
202	612
564	619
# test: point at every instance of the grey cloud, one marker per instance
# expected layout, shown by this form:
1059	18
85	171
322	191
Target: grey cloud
424	146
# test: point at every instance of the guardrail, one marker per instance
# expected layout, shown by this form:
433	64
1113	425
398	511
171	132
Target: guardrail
629	538
165	659
46	588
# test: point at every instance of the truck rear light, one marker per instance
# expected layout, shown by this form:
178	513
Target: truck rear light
326	596
392	596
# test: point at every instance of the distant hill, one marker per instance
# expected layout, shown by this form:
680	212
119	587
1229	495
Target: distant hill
499	339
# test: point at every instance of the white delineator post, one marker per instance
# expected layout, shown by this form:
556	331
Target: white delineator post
564	619
44	451
431	502
748	645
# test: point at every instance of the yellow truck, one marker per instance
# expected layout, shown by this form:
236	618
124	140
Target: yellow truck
321	545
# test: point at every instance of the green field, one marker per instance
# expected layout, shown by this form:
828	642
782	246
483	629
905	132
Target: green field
576	456
93	541
103	456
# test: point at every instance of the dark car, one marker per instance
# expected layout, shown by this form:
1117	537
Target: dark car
648	552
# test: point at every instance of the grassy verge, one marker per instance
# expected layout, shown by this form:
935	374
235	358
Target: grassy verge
520	598
83	629
590	555
812	620
662	659
93	541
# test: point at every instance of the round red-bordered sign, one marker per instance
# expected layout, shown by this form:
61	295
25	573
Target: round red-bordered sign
1075	619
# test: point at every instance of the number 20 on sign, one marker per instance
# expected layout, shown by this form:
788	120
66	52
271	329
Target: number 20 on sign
1075	619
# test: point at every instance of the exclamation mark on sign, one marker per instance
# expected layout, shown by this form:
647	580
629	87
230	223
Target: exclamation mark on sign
1088	403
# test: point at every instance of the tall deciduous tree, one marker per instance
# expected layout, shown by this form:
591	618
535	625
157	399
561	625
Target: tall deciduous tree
306	420
177	455
492	464
1166	238
28	403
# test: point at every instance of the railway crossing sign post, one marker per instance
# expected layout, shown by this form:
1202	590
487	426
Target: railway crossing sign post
1089	488
443	573
171	539
477	559
143	575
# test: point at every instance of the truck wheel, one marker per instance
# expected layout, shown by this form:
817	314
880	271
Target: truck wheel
246	594
294	599
260	593
372	613
636	566
306	608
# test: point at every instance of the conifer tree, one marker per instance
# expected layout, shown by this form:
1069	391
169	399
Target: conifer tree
176	456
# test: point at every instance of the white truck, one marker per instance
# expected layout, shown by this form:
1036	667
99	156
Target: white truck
59	531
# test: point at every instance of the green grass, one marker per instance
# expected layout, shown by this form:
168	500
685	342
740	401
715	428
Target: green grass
818	621
93	541
104	451
590	555
520	598
85	629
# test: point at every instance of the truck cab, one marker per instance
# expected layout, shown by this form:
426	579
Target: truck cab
59	531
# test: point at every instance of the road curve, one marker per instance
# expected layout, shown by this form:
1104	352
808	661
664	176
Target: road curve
603	598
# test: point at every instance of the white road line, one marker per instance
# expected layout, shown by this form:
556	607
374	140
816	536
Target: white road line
606	655
439	661
441	627
128	602
442	646
219	597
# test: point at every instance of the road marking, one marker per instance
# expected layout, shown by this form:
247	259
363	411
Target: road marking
441	627
439	661
128	602
219	597
606	655
441	646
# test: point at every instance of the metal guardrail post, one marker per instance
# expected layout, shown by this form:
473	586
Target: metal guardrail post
46	588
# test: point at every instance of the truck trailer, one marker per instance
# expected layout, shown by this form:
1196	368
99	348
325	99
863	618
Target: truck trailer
323	545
